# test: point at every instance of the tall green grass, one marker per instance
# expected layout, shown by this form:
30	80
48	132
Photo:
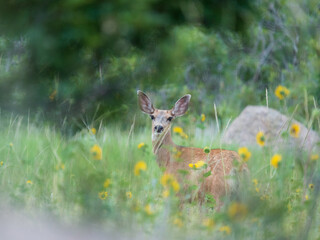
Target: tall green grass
43	170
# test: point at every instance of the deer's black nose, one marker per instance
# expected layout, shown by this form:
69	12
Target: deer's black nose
158	128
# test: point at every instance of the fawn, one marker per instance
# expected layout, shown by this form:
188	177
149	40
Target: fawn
220	162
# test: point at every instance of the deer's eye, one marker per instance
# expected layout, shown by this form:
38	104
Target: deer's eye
169	119
152	117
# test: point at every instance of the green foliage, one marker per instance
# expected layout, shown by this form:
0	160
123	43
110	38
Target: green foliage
80	54
89	62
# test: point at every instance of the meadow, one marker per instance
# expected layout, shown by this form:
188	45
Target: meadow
107	175
76	149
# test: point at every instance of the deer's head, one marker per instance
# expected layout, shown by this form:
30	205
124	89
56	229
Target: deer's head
162	119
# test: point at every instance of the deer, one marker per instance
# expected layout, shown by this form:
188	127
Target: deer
222	164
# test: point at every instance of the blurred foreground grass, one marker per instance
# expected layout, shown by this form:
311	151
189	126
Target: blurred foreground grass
93	176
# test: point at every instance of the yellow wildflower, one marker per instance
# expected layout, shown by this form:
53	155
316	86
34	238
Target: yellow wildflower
29	182
260	138
255	181
306	197
311	186
225	229
184	135
141	145
237	210
140	166
244	153
206	149
208	222
93	131
106	183
314	157
178	222
275	160
148	209
281	92
129	195
257	189
1	163
298	190
197	165
165	193
203	117
103	195
295	130
175	185
11	144
168	180
97	152
177	130
165	179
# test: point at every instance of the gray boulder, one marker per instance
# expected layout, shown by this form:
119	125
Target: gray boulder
243	130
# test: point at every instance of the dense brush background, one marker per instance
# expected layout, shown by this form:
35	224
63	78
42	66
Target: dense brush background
68	66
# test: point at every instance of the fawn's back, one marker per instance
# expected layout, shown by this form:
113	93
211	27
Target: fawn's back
221	163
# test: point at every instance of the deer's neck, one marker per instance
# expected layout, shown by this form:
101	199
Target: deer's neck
162	148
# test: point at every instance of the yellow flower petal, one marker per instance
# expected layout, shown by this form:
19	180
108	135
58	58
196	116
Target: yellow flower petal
255	181
141	145
148	209
93	131
275	160
103	195
165	193
295	130
314	157
97	152
175	185
203	117
208	222
129	195
244	153
178	222
106	183
260	138
177	130
225	229
168	180
281	92
237	210
140	166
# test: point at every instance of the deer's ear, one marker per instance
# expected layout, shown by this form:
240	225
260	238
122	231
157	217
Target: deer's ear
145	103
181	106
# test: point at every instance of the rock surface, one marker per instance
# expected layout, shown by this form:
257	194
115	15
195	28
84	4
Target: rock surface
243	130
